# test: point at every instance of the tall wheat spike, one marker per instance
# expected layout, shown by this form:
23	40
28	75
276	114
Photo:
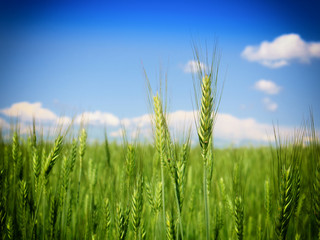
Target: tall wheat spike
204	133
285	205
53	156
160	141
122	223
15	147
73	154
226	198
130	165
239	216
181	170
155	200
268	199
36	167
16	156
206	115
69	213
9	229
107	217
50	162
136	207
176	171
22	208
82	150
171	234
53	214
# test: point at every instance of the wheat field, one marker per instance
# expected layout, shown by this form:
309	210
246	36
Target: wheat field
70	189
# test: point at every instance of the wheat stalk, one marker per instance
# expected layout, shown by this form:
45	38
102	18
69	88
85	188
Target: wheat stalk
206	120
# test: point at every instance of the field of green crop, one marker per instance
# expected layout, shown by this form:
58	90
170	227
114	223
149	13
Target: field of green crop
69	189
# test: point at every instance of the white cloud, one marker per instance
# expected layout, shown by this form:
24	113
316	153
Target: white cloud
270	105
137	122
227	127
98	118
26	111
267	86
235	129
282	50
193	67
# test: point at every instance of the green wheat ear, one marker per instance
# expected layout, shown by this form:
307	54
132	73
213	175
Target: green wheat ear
107	217
83	143
171	233
9	228
23	207
286	202
53	156
160	128
15	147
268	199
130	160
239	216
53	214
206	115
36	166
136	206
122	223
73	154
16	155
160	141
204	132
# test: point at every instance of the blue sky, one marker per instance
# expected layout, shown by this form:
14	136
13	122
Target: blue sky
87	57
